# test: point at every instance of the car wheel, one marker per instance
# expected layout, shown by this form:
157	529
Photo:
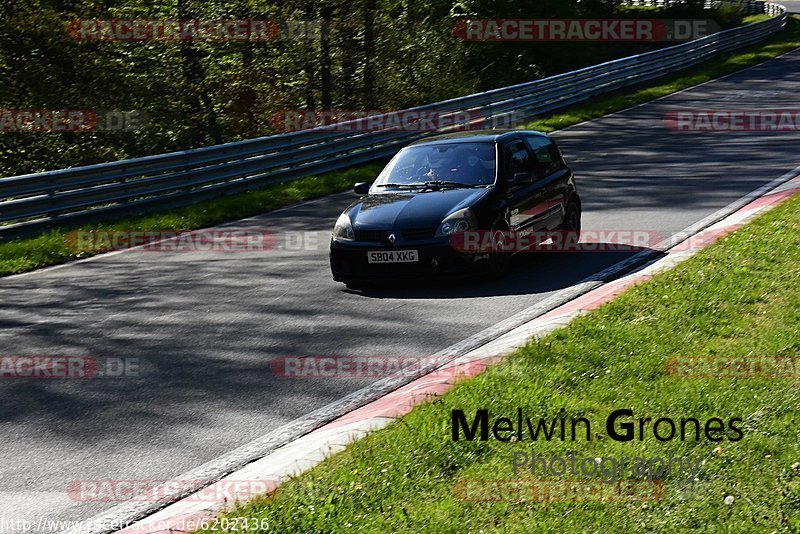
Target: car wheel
499	258
572	221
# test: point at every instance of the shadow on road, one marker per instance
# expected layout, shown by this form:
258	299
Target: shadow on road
531	273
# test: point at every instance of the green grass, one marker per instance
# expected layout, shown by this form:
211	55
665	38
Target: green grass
738	298
750	19
51	248
29	253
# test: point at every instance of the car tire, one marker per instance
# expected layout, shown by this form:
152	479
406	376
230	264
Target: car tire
572	221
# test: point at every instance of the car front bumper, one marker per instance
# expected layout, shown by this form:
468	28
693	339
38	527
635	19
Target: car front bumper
437	259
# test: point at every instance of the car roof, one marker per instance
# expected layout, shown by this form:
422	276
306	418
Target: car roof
476	136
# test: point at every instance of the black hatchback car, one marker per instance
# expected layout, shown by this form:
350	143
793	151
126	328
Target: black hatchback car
433	190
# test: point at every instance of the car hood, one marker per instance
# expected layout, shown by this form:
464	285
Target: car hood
410	209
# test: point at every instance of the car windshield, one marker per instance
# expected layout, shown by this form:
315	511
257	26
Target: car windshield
446	164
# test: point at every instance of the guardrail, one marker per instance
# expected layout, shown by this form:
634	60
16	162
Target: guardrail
31	202
750	6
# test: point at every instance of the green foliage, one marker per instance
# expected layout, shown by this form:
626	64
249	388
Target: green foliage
373	55
202	93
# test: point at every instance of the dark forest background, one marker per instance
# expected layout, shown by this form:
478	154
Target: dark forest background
371	54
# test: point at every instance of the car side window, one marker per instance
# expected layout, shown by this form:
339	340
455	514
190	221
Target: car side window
518	159
544	151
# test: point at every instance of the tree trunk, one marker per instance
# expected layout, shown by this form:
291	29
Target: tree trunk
308	65
369	52
326	77
195	81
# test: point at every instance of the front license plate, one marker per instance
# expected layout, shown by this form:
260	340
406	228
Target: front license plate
393	256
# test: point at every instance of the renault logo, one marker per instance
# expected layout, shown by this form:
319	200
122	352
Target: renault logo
392	239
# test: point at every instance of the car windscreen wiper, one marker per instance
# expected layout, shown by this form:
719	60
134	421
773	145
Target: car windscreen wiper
435	184
440	183
410	186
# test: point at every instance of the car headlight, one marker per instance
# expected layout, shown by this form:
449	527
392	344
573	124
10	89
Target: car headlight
460	221
344	228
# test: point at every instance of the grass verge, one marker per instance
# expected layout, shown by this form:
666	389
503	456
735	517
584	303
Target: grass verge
53	247
738	299
30	253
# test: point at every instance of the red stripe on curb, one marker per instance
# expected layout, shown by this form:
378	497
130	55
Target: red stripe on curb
395	404
704	239
772	199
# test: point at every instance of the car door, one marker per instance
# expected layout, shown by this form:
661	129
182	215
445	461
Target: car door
551	180
522	198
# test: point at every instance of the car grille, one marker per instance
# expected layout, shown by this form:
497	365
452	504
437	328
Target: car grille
370	235
378	236
419	233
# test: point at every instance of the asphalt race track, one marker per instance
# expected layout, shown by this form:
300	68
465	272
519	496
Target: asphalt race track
205	326
793	6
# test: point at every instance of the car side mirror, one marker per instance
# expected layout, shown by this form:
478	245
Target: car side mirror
521	178
361	188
